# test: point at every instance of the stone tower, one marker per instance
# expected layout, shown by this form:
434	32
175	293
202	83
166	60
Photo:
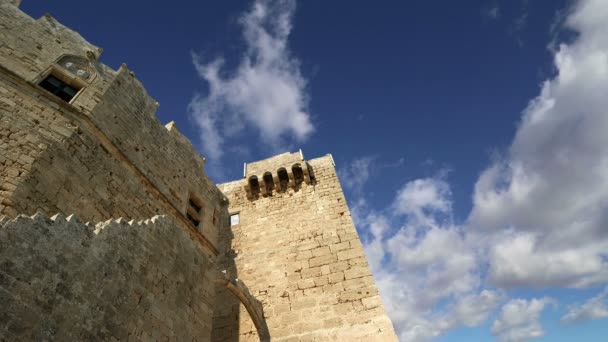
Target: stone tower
295	245
165	254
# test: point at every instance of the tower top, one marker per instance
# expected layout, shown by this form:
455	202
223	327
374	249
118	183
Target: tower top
283	160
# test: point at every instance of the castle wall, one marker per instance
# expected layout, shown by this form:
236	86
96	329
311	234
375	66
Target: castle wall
126	114
51	163
61	280
104	154
300	254
30	46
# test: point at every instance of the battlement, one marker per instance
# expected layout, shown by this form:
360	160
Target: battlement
277	173
67	272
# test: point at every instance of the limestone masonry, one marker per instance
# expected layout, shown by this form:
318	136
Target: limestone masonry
110	229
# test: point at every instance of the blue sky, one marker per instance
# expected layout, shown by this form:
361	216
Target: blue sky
469	137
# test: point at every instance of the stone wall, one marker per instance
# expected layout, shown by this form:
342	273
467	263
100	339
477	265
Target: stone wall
65	281
51	163
300	255
104	154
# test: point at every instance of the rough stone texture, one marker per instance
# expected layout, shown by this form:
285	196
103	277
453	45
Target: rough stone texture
299	253
65	281
109	154
104	154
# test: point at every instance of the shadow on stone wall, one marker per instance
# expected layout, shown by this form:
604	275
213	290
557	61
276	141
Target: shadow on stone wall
234	304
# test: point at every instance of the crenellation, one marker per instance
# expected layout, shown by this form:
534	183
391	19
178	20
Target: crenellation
134	288
322	275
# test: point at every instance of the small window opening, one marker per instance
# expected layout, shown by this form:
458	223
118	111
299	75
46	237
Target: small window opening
268	182
194	211
234	219
214	216
59	88
195	206
283	179
254	185
192	220
311	173
298	174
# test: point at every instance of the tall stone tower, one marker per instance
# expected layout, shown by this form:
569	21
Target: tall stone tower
166	253
294	244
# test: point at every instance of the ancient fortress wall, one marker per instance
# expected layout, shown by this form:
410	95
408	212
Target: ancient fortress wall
104	154
61	280
298	251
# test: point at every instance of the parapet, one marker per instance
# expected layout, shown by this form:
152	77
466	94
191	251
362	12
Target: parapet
278	173
145	280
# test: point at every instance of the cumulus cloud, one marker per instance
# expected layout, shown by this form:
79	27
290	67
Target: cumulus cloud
539	213
426	270
266	93
546	202
422	196
519	320
594	308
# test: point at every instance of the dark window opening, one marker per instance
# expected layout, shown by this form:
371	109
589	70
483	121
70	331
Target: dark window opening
195	206
194	211
254	185
283	178
268	182
59	88
311	173
298	174
192	220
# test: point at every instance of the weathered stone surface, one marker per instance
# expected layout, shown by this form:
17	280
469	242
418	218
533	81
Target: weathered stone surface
293	249
62	280
104	154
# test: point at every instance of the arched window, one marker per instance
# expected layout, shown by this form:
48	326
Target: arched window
283	178
298	174
311	173
268	182
254	185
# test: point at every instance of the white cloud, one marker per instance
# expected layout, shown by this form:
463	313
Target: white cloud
426	270
594	308
519	320
267	91
355	174
473	310
539	213
545	205
423	195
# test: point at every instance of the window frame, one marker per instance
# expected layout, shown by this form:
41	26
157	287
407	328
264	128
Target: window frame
63	76
238	216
